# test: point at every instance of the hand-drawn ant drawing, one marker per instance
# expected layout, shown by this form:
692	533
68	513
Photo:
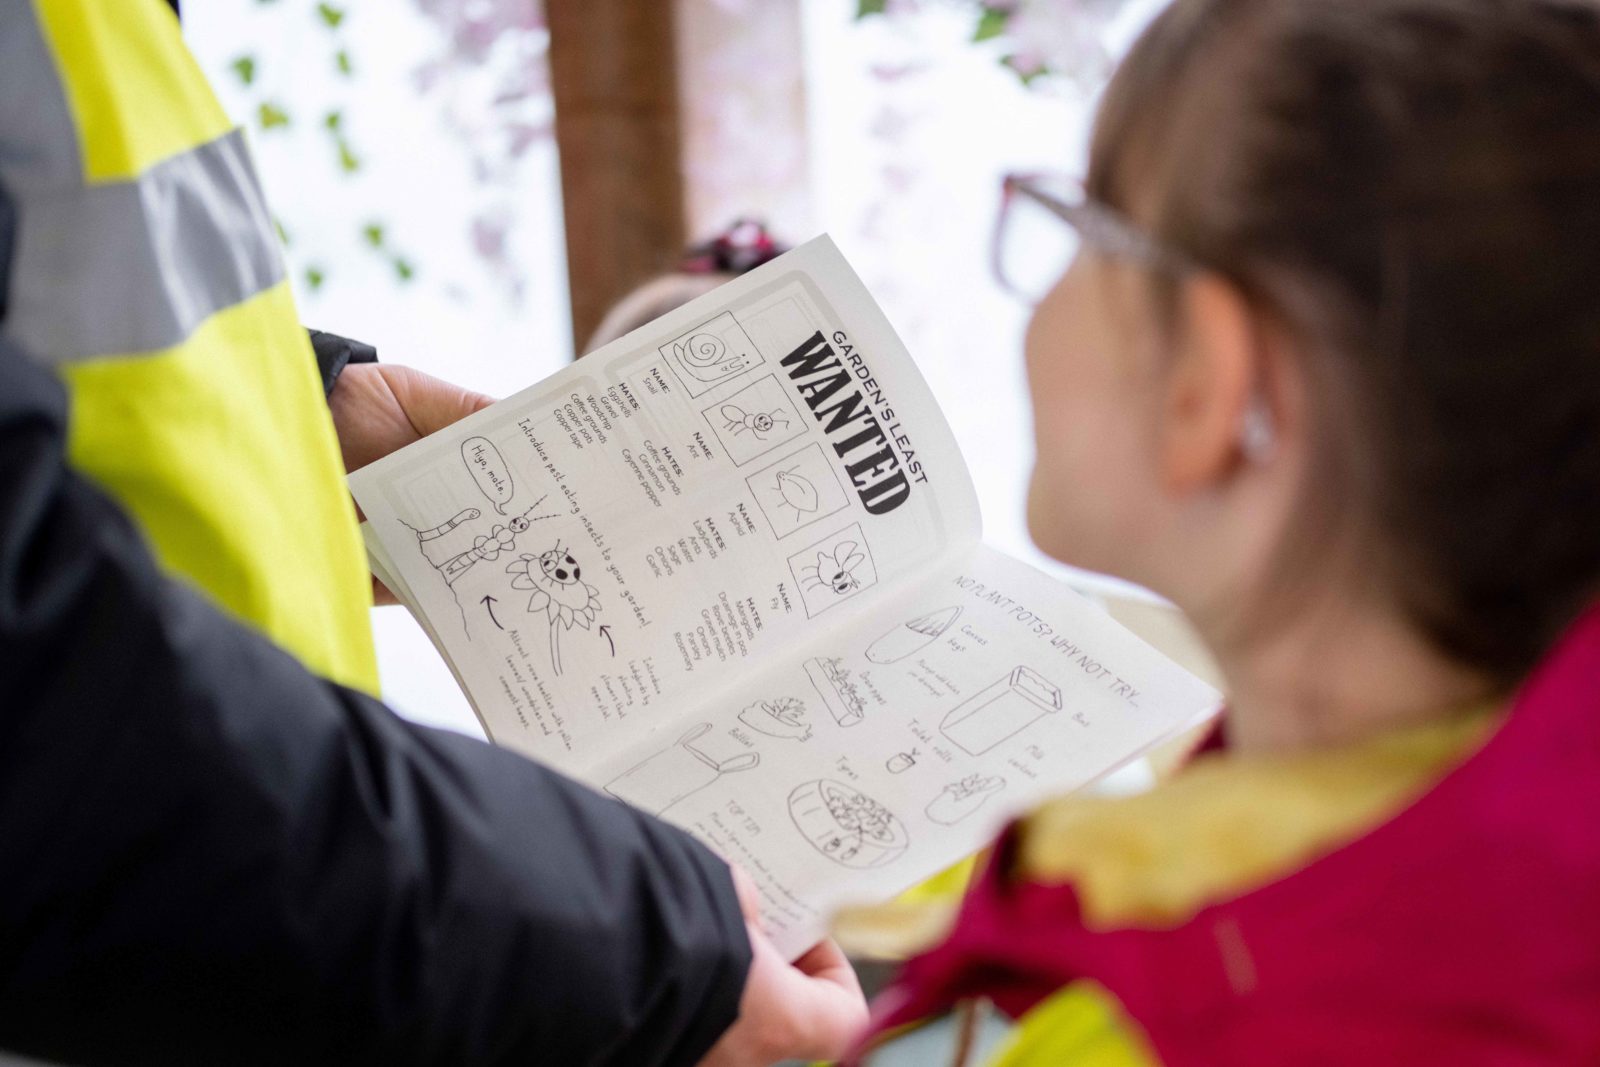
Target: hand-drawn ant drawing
759	423
559	591
835	571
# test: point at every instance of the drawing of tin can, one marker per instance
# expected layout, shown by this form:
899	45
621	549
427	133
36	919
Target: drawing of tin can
1000	711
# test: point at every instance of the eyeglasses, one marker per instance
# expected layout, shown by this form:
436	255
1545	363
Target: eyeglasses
1032	250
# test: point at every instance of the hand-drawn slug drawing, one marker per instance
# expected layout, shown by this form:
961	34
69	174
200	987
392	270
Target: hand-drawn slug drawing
712	352
662	780
759	423
1000	711
847	826
960	799
755	420
831	679
559	591
798	490
785	717
833	570
901	762
912	636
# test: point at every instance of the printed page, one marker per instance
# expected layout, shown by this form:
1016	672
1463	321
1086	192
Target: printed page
883	752
622	539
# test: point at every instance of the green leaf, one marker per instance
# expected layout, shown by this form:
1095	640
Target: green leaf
341	60
245	68
991	24
333	119
271	116
373	232
314	278
871	7
403	269
330	15
283	234
349	162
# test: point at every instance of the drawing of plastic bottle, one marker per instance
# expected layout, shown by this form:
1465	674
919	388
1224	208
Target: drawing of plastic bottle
1000	711
912	636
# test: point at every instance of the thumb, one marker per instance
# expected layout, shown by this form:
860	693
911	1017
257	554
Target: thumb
431	403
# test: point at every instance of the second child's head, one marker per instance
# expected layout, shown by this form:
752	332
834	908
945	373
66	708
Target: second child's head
1360	359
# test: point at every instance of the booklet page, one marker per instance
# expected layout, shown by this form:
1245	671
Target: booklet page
884	751
604	549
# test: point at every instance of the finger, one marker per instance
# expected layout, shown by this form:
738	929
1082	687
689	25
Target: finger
749	896
381	596
826	961
826	1005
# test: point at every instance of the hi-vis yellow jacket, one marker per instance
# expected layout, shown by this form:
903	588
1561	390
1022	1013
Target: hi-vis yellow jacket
146	273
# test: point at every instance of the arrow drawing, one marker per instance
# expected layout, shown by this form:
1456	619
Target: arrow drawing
606	630
488	602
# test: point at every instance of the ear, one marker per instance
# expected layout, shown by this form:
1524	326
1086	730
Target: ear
1213	378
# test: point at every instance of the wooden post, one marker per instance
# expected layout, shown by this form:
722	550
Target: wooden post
613	69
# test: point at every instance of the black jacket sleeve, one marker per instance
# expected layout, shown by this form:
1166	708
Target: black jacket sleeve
208	855
335	353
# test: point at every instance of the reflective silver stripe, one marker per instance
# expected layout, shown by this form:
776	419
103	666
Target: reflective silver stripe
128	267
38	141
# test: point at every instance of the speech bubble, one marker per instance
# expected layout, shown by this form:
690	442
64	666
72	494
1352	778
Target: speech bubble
489	470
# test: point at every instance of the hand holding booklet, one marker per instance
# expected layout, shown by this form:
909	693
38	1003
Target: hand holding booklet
729	570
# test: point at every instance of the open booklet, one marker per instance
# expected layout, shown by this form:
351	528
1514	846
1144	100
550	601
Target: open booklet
728	569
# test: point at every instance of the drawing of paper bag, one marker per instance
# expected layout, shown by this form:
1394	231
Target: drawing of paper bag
1000	711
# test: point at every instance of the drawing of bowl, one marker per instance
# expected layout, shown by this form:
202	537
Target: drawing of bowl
846	825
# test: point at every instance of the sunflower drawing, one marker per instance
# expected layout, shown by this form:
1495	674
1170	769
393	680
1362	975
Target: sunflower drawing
559	593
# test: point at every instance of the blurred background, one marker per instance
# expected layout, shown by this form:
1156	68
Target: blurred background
470	184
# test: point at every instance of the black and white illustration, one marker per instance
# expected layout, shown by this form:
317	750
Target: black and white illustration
689	765
798	490
1001	711
912	636
711	353
455	548
833	570
901	762
831	679
755	420
846	825
961	798
782	718
490	471
558	593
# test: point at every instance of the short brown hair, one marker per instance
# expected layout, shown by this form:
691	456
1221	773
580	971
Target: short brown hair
1412	188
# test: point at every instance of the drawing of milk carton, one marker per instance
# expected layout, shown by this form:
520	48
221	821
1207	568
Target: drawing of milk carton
1001	711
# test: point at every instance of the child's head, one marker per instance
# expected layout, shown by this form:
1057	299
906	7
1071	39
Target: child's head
1385	369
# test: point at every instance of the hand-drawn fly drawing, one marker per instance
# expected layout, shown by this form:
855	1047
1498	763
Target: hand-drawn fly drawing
833	570
1000	711
847	826
784	717
912	636
961	798
666	778
559	591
